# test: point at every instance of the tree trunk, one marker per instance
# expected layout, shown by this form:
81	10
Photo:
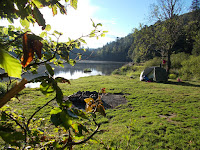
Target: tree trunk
168	62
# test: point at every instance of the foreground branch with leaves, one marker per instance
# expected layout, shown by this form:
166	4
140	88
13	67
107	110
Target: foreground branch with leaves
21	52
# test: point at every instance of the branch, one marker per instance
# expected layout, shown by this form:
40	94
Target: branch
42	61
25	131
28	122
12	92
85	140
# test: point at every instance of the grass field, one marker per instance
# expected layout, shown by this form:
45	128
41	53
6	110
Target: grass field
156	116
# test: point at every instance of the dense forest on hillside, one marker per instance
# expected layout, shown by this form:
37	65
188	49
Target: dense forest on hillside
113	51
145	43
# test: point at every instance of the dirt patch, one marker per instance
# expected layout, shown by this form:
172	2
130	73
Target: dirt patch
113	100
169	118
109	100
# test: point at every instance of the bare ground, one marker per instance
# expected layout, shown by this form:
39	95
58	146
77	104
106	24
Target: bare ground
109	100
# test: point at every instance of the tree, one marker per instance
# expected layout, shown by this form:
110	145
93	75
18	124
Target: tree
29	51
167	11
195	5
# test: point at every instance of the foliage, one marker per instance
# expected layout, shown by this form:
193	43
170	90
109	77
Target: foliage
172	76
114	51
156	61
177	60
29	51
195	6
190	68
196	47
131	70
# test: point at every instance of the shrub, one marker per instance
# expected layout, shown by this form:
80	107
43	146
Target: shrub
190	68
156	61
177	59
172	76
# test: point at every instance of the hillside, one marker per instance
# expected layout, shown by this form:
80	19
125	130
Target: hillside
140	46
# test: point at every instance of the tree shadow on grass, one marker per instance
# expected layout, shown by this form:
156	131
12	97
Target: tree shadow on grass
182	84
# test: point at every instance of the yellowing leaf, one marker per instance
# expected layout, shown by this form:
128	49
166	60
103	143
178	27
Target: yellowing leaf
88	108
101	110
87	100
29	47
10	64
54	10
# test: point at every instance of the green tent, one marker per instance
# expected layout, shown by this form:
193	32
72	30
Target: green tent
156	74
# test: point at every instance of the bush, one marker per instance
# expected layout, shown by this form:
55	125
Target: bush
172	76
177	59
156	61
190	68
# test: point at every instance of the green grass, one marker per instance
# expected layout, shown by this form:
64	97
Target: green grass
157	116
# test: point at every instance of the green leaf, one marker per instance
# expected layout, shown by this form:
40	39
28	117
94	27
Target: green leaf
55	111
10	64
38	3
83	41
39	17
54	10
13	138
56	120
72	62
48	27
101	110
43	34
49	69
62	80
80	113
103	35
99	24
71	114
67	104
66	119
73	3
59	95
46	87
59	33
93	24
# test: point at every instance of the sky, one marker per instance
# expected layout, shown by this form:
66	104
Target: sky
118	17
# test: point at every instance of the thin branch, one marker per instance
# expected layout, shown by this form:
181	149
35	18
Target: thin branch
85	140
28	122
13	119
42	61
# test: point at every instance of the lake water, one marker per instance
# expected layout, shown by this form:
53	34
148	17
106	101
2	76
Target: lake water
77	71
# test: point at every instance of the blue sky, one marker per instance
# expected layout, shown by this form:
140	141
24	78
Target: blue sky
126	15
117	16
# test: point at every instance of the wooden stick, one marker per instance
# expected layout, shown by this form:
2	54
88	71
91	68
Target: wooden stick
12	92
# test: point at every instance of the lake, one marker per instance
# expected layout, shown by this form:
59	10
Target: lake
77	71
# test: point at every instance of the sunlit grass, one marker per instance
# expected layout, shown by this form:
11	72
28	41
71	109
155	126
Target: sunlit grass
157	115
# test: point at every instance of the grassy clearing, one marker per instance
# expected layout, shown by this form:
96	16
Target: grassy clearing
157	116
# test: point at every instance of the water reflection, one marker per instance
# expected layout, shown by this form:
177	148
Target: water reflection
77	71
67	75
77	74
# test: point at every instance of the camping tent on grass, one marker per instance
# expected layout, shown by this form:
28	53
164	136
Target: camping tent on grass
156	74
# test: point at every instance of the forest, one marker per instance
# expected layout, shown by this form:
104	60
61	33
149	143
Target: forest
147	42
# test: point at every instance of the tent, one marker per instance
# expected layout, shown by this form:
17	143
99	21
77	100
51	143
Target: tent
156	74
